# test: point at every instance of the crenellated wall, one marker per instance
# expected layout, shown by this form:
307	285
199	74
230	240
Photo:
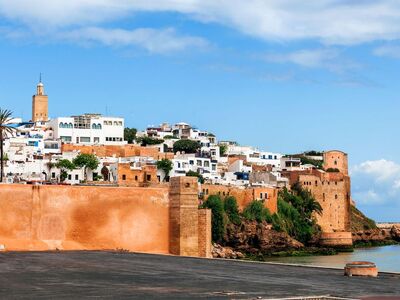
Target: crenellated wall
100	218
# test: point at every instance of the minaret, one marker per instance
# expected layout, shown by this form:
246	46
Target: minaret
40	104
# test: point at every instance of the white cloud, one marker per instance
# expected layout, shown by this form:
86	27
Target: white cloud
382	170
376	182
306	58
330	21
153	40
368	197
388	51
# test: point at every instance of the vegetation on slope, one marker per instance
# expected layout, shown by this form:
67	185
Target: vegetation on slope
295	215
359	221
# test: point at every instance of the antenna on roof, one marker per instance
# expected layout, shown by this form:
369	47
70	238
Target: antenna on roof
40	77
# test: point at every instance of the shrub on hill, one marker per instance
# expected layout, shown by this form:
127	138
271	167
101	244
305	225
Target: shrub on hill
196	174
232	210
255	211
295	215
218	223
146	140
187	146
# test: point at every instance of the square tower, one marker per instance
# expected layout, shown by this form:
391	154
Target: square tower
40	105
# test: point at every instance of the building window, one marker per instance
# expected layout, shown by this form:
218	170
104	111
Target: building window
69	177
85	139
124	177
76	177
191	162
199	163
261	195
213	167
266	195
96	140
206	164
336	196
148	177
136	178
53	175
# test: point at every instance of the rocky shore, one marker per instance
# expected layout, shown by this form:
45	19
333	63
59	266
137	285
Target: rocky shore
255	240
377	236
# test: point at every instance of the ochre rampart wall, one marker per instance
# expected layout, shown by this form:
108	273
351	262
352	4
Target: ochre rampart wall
101	218
244	196
117	151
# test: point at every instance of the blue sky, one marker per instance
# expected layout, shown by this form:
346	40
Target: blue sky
281	75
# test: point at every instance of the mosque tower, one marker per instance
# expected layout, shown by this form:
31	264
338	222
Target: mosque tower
40	104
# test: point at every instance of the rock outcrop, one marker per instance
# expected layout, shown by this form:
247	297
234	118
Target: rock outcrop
395	232
226	252
373	235
252	237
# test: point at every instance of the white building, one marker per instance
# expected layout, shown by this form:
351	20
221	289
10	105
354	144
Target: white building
255	156
183	163
89	129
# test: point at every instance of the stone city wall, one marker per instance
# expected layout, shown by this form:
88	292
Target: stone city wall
36	218
244	195
117	151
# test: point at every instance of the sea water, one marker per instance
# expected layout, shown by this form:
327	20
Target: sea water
387	258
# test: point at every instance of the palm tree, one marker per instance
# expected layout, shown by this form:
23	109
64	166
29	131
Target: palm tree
5	118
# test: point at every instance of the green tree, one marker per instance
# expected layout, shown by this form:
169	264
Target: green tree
296	213
169	137
146	140
165	165
5	129
86	161
130	134
255	210
196	174
64	165
218	224
222	149
187	146
232	210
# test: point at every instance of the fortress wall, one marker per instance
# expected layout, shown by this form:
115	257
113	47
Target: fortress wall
111	150
204	233
164	219
84	218
244	196
332	191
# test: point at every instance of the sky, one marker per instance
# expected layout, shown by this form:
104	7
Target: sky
282	75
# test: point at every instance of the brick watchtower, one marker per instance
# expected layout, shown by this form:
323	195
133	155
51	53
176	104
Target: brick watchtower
184	216
40	104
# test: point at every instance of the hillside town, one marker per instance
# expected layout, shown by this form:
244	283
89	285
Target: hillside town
96	150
